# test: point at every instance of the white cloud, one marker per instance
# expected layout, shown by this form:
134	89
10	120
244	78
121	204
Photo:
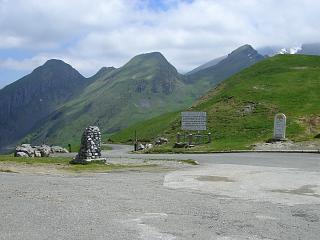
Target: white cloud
89	34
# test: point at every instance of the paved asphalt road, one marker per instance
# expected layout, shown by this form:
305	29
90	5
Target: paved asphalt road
228	196
287	160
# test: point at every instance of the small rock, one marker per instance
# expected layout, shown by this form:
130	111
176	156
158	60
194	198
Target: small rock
180	145
141	147
58	149
148	146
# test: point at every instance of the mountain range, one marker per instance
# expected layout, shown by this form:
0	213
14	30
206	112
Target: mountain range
54	103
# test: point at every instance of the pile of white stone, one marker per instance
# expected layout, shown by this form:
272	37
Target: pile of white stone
158	141
90	148
161	141
26	150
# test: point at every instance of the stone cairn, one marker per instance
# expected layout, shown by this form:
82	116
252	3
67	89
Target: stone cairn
90	148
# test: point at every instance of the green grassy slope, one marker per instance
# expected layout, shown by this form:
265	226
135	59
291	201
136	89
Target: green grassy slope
146	130
284	83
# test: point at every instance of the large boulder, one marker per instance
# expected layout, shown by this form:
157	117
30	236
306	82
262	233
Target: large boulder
44	150
24	150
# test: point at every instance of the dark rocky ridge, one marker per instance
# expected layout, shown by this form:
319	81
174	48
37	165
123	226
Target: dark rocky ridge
25	102
239	59
148	85
206	65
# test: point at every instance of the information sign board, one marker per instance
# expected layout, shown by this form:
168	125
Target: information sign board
196	121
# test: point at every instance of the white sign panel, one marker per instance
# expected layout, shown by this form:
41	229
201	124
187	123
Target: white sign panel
196	121
279	131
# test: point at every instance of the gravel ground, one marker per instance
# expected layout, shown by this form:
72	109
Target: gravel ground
229	196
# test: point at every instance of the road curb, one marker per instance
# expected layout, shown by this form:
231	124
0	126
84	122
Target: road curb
239	151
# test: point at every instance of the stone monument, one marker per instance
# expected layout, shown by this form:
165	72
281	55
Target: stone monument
279	132
90	148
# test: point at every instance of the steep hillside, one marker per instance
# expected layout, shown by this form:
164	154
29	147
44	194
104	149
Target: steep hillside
24	103
147	86
241	109
236	61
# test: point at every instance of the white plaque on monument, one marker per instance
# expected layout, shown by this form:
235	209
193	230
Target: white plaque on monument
196	121
279	131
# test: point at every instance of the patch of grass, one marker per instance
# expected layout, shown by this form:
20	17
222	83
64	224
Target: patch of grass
62	163
147	131
40	160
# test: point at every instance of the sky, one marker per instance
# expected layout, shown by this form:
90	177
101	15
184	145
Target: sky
90	34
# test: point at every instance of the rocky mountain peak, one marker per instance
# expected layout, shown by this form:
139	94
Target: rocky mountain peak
149	59
243	49
53	62
56	66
